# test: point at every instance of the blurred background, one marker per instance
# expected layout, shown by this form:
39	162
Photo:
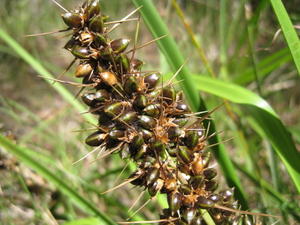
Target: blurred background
243	44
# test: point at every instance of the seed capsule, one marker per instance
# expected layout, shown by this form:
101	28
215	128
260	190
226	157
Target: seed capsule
125	153
95	139
100	40
191	138
80	52
172	152
189	214
137	142
151	80
131	85
109	78
204	203
84	69
141	152
197	182
184	154
114	109
147	134
174	132
93	8
155	187
227	195
91	99
140	101
174	201
86	38
152	110
210	173
96	24
182	107
136	64
128	117
152	176
119	45
185	189
72	19
169	94
181	122
70	44
211	185
103	119
116	134
214	197
147	122
124	62
158	146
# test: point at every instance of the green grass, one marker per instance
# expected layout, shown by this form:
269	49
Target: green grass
229	57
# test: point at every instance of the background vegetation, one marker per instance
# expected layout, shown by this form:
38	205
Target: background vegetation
243	54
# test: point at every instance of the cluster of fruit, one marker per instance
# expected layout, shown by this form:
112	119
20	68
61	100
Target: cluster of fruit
146	122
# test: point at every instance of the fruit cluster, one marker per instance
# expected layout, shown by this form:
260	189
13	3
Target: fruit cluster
146	122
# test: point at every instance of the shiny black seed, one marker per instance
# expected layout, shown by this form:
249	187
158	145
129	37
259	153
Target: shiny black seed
211	185
180	121
189	214
140	101
152	110
191	138
128	117
131	85
169	94
96	24
147	134
174	201
95	139
114	109
204	203
147	122
80	52
174	132
210	173
227	195
72	19
119	45
116	134
151	80
184	154
136	64
214	197
197	181
152	175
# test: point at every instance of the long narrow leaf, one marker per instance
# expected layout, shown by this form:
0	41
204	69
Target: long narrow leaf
35	64
51	177
288	30
265	117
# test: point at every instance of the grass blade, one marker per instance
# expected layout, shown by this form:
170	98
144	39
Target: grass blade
288	30
264	115
83	203
38	67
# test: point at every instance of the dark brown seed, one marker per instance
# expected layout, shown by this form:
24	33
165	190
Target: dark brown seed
182	107
131	85
211	185
119	45
184	154
128	117
152	176
158	146
214	197
227	195
114	109
93	8
197	181
116	134
155	187
191	138
124	62
124	153
151	80
210	173
152	110
137	142
189	214
185	189
72	19
181	122
204	203
84	69
174	132
88	98
80	52
136	64
109	78
96	24
169	94
147	134
140	101
174	201
147	122
95	139
141	152
100	40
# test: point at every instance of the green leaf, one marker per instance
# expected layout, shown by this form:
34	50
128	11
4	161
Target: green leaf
85	221
84	204
288	30
38	67
260	111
